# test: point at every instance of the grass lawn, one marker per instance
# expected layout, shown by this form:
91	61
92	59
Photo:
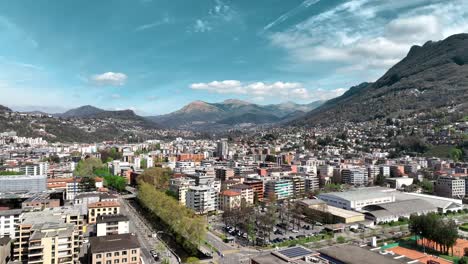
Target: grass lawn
441	151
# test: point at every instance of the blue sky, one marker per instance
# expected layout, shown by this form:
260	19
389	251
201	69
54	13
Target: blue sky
154	56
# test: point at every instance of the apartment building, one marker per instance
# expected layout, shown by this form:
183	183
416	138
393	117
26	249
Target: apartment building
354	176
102	208
53	243
5	250
311	183
246	191
448	186
278	189
123	248
298	184
201	199
224	174
257	187
112	225
180	186
8	220
229	200
51	236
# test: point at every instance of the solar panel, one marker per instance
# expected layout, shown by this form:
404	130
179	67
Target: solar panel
295	252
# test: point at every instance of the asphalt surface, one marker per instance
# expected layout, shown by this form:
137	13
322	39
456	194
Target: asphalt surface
142	229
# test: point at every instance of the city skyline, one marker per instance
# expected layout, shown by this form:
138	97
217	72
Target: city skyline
156	56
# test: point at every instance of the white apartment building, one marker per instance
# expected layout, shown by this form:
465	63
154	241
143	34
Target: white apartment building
112	225
8	220
354	176
201	199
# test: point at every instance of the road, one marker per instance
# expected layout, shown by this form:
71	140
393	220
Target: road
143	230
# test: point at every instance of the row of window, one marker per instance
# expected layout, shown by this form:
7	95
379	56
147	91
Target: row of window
124	260
116	254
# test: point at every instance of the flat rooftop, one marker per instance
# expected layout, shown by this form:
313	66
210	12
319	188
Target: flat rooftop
350	254
113	243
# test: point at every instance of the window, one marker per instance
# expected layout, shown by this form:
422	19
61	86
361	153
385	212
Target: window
116	261
134	251
109	255
98	256
116	254
124	260
109	262
124	253
134	258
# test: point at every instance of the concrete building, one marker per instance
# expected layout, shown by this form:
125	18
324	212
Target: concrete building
312	183
23	183
8	220
246	191
123	248
229	200
398	182
257	187
448	186
328	214
298	184
222	149
102	208
201	199
54	235
387	212
224	173
39	201
112	225
278	189
357	199
53	243
354	177
5	250
180	186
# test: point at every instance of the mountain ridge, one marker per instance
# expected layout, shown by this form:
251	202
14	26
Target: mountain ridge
430	78
230	112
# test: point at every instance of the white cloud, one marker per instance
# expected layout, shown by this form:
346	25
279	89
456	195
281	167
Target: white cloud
110	78
356	37
201	26
165	20
259	91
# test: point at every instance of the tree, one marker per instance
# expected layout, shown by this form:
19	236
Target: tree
87	184
192	260
156	176
463	260
143	163
188	228
456	154
427	186
85	168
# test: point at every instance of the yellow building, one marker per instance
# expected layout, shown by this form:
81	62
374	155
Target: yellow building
123	248
102	208
50	236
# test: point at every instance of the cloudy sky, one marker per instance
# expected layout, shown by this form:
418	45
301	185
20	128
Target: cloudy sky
154	56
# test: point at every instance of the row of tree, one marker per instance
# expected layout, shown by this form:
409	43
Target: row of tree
432	228
190	229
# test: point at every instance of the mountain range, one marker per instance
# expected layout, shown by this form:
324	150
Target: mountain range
430	79
231	112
